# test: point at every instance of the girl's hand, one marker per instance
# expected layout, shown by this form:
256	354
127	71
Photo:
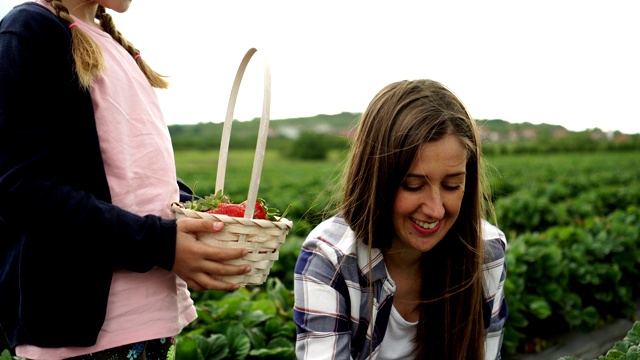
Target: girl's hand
198	263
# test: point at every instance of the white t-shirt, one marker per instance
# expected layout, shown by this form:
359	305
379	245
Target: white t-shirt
398	340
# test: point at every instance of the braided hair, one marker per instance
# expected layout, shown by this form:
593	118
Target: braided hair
87	56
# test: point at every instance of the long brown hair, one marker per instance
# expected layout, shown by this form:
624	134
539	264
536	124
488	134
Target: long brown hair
400	118
87	56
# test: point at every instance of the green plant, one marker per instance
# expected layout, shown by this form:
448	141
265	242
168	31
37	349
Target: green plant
572	262
244	324
626	349
571	278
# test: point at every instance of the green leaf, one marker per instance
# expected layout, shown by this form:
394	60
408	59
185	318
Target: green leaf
234	329
257	337
266	306
288	330
590	316
254	318
272	326
633	335
6	355
216	347
208	202
553	291
187	348
280	342
230	307
220	327
540	307
621	346
240	347
518	320
198	331
204	315
633	353
277	353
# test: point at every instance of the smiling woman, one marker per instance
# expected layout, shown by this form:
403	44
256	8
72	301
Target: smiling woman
407	268
428	200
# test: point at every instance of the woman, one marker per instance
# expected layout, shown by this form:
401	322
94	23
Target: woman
93	263
408	268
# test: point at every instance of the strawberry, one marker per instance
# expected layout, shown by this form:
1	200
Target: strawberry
260	211
234	210
237	210
221	204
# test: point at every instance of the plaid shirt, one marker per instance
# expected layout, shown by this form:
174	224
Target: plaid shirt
331	309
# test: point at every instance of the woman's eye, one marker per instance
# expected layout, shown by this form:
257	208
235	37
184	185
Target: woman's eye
414	186
452	187
411	187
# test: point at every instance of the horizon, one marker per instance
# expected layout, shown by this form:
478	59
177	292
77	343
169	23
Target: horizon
476	119
567	63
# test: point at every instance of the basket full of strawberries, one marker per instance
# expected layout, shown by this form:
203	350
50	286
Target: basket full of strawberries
256	227
262	234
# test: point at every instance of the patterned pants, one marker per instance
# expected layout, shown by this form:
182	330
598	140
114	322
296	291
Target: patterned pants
158	349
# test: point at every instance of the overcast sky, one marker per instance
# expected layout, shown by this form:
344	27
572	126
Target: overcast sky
571	63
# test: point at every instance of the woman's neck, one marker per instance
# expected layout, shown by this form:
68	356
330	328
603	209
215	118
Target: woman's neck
405	263
404	258
404	268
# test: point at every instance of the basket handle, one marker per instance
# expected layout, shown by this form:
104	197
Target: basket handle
262	133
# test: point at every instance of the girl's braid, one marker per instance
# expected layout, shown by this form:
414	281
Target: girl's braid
107	24
86	53
89	62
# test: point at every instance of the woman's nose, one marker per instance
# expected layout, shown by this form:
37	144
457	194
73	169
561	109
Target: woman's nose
432	203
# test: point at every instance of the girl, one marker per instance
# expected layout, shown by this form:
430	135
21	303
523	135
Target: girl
92	262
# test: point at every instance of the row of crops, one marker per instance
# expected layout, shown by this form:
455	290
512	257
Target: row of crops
572	223
573	226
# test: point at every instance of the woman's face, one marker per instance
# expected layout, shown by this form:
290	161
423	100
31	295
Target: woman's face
428	202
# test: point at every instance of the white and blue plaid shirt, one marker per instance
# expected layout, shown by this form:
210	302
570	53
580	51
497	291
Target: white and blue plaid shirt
331	309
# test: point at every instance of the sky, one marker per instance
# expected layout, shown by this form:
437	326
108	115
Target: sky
573	63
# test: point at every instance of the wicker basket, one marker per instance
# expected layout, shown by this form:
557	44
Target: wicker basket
262	238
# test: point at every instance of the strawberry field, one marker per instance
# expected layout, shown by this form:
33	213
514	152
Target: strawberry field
572	221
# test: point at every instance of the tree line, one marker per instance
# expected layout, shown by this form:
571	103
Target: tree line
313	138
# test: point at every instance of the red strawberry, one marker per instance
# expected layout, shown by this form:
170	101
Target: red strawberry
237	210
234	210
260	211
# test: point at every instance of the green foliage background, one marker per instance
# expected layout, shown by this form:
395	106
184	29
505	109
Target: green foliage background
569	208
571	219
562	198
